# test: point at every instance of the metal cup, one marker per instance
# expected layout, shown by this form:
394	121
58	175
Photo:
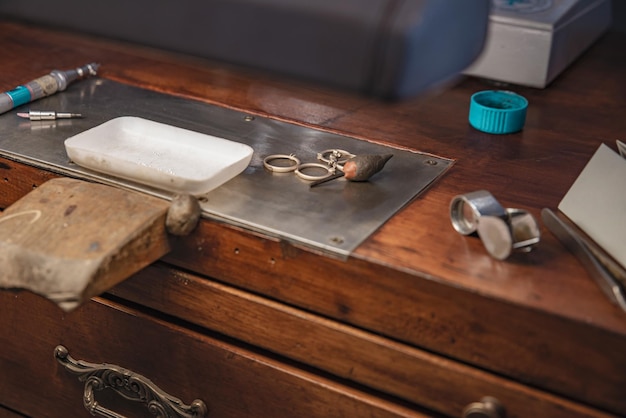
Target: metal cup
468	208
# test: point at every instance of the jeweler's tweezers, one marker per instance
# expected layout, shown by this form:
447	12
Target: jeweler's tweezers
325	179
599	271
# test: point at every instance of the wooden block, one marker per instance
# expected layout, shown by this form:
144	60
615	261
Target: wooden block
69	240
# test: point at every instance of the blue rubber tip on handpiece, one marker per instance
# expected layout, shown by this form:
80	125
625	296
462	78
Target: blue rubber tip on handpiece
498	111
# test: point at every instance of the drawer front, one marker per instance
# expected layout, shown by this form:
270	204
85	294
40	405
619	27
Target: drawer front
402	371
187	364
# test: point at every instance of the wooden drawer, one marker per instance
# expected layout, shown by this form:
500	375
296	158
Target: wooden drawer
399	370
232	381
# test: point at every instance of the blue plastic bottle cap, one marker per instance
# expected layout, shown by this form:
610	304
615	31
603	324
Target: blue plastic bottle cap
498	111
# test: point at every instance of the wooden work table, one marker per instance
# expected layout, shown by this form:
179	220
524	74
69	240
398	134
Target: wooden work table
419	321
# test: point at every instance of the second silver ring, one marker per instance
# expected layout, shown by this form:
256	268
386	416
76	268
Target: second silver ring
301	167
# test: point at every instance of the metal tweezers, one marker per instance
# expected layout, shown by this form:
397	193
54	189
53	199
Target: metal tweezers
610	276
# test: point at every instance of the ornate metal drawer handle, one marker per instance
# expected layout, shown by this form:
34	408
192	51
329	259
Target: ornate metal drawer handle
488	407
128	384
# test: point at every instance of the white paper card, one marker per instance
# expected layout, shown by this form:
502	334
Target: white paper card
621	147
596	202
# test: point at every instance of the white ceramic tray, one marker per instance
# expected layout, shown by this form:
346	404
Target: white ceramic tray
159	155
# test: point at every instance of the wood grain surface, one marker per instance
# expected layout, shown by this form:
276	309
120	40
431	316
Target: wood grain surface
537	318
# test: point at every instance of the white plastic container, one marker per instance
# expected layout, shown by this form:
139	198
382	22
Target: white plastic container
159	155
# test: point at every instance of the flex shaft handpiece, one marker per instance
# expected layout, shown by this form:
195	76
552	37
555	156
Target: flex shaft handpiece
44	86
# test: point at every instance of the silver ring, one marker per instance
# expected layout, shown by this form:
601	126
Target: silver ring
281	168
341	157
299	173
466	209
